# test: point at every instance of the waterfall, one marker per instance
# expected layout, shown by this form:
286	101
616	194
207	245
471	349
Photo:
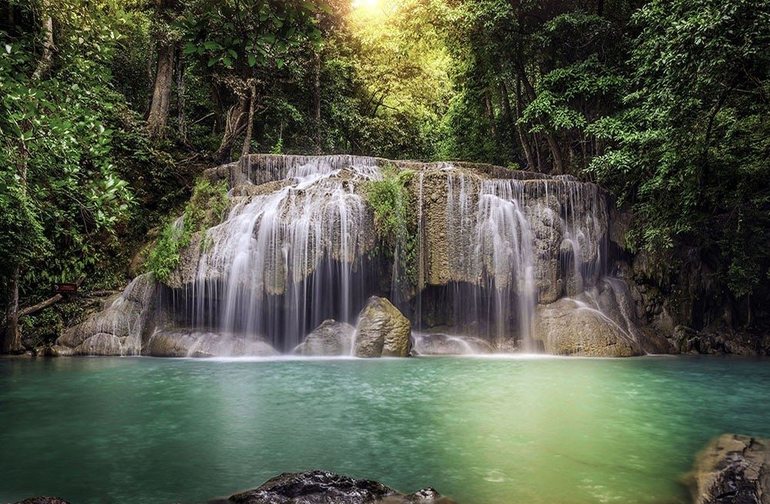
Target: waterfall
513	242
285	260
299	247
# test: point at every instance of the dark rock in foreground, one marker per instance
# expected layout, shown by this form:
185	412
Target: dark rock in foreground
732	470
43	500
321	487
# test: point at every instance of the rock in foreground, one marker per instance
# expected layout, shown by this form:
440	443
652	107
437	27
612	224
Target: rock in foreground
321	487
732	470
43	500
382	330
328	339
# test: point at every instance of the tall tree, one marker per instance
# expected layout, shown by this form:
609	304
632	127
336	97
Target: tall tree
167	48
245	45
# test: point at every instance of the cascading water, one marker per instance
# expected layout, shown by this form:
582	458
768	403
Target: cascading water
512	242
295	248
284	261
299	247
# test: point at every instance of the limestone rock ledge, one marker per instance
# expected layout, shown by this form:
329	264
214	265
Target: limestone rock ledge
117	330
732	469
569	219
185	343
445	344
331	338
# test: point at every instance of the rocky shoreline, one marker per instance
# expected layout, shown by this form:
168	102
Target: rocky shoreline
731	469
312	487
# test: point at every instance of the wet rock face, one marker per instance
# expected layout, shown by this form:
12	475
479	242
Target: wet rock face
475	229
510	239
547	243
117	330
444	344
382	330
567	328
321	487
688	340
329	339
170	343
732	470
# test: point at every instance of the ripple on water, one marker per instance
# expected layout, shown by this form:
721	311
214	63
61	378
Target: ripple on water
485	430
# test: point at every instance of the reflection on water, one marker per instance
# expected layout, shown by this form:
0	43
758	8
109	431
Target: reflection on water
484	430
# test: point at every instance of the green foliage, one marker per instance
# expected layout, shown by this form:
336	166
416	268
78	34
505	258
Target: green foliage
278	147
394	220
251	34
690	150
61	196
164	257
389	199
665	103
206	208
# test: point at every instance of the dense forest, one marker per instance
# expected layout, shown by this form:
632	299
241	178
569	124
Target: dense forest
109	109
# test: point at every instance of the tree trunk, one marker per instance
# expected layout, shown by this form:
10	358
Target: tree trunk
46	58
180	88
553	145
490	113
235	119
522	134
508	117
317	103
12	340
161	94
250	120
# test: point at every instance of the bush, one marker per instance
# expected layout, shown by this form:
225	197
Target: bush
394	221
206	208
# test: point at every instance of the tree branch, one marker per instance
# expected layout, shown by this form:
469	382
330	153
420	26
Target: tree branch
45	304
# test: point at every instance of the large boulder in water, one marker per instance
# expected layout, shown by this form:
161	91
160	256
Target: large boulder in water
182	343
328	339
572	327
382	330
445	344
732	470
117	330
319	487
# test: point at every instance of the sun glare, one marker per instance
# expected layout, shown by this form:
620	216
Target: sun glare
366	4
372	8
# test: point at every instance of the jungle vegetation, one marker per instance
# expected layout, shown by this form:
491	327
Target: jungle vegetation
109	109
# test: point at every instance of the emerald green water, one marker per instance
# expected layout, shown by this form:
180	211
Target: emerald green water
482	430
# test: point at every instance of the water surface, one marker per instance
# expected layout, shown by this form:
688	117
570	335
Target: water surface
482	430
